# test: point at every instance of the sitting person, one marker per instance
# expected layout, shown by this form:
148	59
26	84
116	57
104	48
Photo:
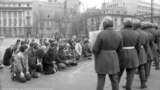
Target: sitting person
86	49
78	49
61	58
8	55
49	64
32	60
20	66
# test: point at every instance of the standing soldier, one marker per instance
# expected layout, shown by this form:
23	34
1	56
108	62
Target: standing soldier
152	44
149	37
105	50
129	58
142	54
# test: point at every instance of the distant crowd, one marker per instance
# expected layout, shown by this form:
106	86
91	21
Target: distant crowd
29	59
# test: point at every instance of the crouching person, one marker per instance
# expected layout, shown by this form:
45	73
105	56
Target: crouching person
20	66
49	65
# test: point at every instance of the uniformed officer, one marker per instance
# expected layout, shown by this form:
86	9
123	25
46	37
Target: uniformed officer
157	43
108	44
142	54
152	44
144	27
129	58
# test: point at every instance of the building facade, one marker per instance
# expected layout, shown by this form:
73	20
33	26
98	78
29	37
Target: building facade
15	18
95	17
24	17
130	7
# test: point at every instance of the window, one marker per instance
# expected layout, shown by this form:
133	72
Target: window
20	21
5	32
28	13
4	21
27	5
15	31
4	14
15	14
10	21
10	31
20	14
9	14
15	21
115	21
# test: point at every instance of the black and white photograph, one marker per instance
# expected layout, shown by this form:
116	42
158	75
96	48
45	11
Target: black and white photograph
79	44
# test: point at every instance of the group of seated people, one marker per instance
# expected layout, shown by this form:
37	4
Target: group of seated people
30	59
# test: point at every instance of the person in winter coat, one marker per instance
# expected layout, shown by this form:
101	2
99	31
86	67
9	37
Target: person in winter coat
49	63
8	55
131	48
105	50
142	55
20	65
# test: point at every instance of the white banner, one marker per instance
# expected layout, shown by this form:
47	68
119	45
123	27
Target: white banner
93	37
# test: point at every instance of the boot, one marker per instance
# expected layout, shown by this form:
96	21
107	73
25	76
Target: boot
143	85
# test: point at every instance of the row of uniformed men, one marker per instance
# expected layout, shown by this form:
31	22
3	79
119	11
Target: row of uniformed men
135	46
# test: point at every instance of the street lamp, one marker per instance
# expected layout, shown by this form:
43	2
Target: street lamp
152	10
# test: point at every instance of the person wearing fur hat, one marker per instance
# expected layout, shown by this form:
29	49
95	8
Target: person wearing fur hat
105	50
144	27
142	54
129	59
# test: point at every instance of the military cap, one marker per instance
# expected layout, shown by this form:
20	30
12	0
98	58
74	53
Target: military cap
144	25
127	22
136	24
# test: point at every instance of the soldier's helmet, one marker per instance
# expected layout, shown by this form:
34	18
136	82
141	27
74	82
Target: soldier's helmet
136	24
144	25
128	22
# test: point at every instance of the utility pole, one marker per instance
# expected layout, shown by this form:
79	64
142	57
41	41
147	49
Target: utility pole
152	10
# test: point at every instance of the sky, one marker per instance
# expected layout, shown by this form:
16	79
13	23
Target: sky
98	3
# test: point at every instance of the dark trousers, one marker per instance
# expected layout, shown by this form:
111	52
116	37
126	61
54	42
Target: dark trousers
130	76
113	78
156	62
147	68
142	75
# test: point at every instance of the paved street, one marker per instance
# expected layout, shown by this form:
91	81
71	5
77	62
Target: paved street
81	77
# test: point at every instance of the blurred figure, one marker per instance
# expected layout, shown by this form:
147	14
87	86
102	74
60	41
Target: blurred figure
21	69
142	54
105	50
144	27
32	60
8	55
49	63
131	48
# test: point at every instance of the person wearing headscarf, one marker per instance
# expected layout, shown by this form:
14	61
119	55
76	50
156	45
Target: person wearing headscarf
106	49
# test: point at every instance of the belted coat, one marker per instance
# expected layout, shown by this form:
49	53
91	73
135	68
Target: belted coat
105	50
129	57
